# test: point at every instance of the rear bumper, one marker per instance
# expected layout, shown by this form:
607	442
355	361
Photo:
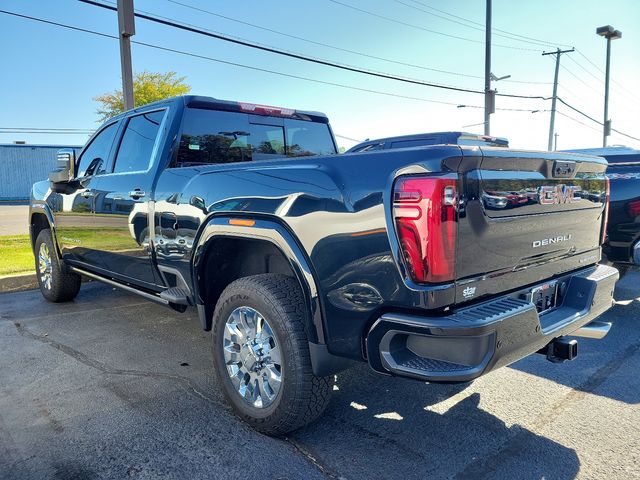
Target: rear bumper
475	340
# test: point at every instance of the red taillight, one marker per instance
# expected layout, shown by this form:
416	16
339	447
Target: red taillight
633	208
605	221
424	211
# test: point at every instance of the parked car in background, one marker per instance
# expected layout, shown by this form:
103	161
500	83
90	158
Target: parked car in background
302	262
622	246
433	138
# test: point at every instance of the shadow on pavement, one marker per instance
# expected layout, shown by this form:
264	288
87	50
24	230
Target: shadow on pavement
382	427
600	360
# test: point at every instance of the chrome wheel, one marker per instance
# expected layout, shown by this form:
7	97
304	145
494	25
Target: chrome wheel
252	357
44	266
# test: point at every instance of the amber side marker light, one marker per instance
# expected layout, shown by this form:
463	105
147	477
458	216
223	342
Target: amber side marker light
242	222
369	232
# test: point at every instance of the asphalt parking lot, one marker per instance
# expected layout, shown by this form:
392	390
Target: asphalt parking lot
111	386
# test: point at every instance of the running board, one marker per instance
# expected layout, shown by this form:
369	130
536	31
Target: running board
113	283
176	295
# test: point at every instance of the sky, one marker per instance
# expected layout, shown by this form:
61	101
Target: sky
51	74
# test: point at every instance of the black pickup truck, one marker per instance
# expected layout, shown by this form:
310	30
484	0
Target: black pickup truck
301	262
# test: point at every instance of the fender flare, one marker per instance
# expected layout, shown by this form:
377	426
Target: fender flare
264	229
43	208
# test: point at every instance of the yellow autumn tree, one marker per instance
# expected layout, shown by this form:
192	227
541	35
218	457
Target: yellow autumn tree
148	87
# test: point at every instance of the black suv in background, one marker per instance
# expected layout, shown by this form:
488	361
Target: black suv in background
432	138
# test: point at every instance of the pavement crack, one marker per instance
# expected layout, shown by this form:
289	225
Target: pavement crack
108	369
311	459
514	444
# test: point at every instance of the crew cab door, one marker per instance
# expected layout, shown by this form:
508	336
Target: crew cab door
74	208
123	199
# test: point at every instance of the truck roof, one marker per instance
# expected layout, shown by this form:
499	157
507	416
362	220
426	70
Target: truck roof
211	103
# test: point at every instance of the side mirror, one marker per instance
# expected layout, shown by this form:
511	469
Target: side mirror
66	166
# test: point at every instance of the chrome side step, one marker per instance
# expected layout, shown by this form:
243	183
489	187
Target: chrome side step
113	283
594	329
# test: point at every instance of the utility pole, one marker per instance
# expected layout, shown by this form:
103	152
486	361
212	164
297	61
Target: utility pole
126	29
609	33
552	122
556	144
489	95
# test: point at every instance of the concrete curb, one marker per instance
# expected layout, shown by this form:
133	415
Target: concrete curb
18	283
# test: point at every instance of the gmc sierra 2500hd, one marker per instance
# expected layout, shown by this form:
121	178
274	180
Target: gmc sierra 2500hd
300	261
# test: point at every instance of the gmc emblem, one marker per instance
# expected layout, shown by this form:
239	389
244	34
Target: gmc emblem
549	195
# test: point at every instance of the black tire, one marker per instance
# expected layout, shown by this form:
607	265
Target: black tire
302	397
63	285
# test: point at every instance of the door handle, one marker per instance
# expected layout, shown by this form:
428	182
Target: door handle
87	194
135	194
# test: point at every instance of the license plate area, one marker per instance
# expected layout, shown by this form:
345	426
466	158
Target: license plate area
544	297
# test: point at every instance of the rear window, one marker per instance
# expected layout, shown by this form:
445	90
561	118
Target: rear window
210	136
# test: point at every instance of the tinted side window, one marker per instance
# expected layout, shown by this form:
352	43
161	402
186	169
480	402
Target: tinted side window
98	148
137	142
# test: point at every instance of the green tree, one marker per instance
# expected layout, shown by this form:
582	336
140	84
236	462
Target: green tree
147	87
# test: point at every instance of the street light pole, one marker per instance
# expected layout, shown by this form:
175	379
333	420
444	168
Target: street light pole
489	98
126	29
609	33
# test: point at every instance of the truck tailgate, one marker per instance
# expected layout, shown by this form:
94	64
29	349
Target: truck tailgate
525	217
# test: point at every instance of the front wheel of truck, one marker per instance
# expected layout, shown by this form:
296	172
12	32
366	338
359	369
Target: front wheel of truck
261	355
56	284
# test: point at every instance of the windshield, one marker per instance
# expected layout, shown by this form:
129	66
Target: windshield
210	136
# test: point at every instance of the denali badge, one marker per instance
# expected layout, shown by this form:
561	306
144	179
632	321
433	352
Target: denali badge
549	241
550	194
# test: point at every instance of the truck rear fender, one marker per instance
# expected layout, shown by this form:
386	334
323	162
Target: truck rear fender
270	233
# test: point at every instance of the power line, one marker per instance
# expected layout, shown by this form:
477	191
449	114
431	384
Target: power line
596	129
235	64
351	87
588	72
418	27
532	39
296	56
314	42
497	34
340	49
579	111
577	121
535	41
596	121
594	65
350	68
